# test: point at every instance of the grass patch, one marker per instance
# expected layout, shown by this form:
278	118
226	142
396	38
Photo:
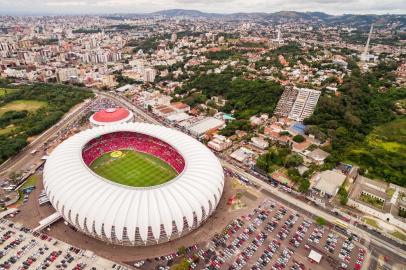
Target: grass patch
388	146
371	222
6	130
372	201
21	105
31	181
5	91
391	136
390	192
320	221
133	169
394	131
399	235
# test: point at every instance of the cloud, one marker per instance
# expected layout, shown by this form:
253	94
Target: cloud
221	6
67	3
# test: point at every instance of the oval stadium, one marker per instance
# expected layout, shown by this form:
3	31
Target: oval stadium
133	184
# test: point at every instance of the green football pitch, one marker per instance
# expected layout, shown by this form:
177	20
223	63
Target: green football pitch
133	168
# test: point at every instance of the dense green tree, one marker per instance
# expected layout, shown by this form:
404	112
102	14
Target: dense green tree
298	138
293	160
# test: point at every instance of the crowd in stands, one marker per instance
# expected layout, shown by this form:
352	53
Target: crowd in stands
132	141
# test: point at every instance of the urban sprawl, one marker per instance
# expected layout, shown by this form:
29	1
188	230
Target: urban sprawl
305	113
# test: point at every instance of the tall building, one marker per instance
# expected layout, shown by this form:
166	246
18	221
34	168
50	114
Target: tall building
366	56
66	74
286	101
174	37
278	39
149	75
304	104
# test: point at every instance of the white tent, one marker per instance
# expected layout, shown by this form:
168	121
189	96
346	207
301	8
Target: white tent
315	256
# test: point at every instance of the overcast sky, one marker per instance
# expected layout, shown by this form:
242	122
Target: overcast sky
221	6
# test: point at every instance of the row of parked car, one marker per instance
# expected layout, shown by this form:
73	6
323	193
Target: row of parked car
300	233
266	256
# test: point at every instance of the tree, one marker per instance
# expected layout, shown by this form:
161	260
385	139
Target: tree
182	250
284	133
298	138
342	192
57	100
320	221
293	160
236	125
350	117
304	185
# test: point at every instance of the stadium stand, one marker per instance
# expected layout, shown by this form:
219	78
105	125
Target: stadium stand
132	141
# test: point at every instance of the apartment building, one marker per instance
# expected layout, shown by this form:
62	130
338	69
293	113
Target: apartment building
304	104
286	102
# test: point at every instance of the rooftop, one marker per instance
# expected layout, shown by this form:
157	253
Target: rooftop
318	154
329	181
111	115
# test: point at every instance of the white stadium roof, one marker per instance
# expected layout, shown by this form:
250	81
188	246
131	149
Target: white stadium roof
131	215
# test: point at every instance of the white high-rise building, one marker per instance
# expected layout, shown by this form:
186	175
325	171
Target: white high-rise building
66	74
174	37
149	75
305	104
366	56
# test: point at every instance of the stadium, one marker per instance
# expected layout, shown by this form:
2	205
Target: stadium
133	184
111	116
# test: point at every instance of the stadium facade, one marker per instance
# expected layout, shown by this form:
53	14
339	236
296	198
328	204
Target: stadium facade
127	215
111	116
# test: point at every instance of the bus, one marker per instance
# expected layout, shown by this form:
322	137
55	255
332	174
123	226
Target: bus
340	224
244	179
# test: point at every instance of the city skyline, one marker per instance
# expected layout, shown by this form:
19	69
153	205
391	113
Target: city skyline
334	7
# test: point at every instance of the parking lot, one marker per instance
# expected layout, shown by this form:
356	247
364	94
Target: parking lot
275	237
21	249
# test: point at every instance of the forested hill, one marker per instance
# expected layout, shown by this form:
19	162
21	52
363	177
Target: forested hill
355	120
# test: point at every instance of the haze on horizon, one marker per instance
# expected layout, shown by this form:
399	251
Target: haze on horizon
336	7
